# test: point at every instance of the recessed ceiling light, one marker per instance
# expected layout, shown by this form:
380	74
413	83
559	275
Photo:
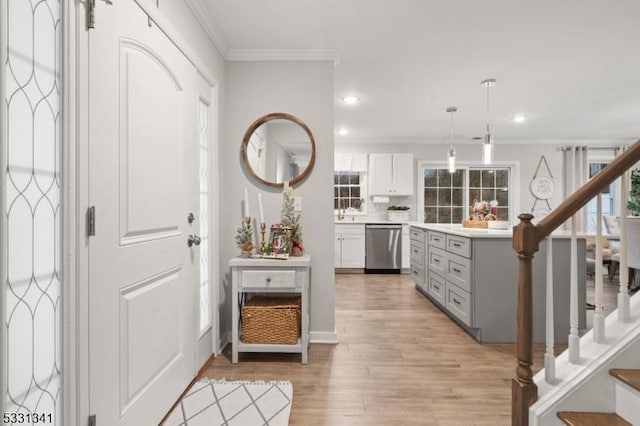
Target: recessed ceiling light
518	119
343	131
351	100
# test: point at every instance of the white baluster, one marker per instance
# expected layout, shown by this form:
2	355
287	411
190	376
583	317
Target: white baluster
598	314
549	357
623	294
574	339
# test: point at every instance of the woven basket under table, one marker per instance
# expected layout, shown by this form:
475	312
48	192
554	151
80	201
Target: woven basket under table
271	320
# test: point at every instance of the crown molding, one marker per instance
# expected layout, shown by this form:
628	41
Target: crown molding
284	55
208	24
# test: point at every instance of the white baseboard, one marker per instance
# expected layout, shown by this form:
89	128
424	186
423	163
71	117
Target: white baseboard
224	341
324	337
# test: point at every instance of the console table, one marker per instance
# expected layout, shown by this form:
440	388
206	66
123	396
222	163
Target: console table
270	276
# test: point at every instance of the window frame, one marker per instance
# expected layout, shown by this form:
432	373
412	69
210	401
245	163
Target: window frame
364	193
602	156
514	187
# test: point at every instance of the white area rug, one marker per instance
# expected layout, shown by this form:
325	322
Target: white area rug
218	402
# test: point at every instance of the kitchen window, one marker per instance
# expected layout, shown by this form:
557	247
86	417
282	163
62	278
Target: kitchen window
348	191
447	197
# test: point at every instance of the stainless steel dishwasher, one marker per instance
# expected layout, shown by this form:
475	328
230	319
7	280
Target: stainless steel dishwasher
383	253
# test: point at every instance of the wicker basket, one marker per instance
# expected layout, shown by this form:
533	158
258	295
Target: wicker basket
271	320
474	224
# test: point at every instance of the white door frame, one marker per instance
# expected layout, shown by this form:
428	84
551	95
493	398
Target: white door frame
76	199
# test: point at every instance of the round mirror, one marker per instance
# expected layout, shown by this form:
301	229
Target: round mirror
277	148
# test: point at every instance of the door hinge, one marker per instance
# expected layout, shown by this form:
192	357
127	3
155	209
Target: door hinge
91	12
92	420
91	221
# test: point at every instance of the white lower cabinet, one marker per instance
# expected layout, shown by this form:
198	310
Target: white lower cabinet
349	246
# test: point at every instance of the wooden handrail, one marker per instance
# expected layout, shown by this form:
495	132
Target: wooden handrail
526	237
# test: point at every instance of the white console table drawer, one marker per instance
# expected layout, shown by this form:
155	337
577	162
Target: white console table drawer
459	271
459	245
268	279
458	303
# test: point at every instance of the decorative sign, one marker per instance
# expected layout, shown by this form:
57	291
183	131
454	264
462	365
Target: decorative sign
542	187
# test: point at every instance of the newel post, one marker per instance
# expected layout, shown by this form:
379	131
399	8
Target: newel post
524	391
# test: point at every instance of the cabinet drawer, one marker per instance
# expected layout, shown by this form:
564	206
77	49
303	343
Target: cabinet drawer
459	245
437	288
458	303
437	239
417	273
417	254
417	244
269	279
417	234
459	271
437	260
349	229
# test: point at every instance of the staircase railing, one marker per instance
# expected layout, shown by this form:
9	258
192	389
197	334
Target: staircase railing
526	238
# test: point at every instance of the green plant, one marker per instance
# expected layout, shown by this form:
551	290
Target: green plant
634	193
291	219
401	208
244	236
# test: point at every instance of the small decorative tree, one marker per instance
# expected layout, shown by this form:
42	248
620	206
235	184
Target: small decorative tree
634	193
289	218
244	238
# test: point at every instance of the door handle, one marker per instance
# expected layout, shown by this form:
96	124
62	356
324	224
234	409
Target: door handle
193	239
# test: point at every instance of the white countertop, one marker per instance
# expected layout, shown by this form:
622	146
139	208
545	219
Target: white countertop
466	232
365	222
483	232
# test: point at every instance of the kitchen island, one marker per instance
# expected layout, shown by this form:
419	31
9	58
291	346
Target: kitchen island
472	275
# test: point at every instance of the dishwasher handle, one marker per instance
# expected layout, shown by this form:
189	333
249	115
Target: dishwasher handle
383	226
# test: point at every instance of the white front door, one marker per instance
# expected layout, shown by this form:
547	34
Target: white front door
143	182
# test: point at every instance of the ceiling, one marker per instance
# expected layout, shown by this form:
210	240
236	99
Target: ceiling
571	67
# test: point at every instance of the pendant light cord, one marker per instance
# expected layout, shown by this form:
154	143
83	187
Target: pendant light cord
488	115
451	131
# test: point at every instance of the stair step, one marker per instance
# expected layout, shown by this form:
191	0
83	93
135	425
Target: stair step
628	376
573	418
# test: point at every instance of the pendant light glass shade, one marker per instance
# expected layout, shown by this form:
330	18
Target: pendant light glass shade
487	149
452	161
451	158
487	139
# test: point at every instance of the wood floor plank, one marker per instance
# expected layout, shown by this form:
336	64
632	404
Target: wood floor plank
400	361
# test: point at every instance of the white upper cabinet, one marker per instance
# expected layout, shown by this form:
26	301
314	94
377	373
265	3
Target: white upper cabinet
391	174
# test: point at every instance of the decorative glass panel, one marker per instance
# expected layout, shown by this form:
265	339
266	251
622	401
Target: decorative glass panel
33	193
205	282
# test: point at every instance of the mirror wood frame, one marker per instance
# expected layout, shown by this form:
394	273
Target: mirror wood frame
264	119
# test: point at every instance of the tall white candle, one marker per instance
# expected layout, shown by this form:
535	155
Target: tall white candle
246	203
286	186
260	205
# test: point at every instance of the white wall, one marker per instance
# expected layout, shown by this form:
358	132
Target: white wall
304	89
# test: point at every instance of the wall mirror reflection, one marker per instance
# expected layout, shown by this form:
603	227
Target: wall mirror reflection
277	148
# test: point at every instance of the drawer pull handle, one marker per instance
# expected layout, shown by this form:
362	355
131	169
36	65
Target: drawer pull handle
457	270
456	301
436	260
436	287
268	279
456	245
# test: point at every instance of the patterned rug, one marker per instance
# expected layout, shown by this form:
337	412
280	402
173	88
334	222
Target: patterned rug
218	402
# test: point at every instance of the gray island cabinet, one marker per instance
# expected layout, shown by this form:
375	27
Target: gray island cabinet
472	275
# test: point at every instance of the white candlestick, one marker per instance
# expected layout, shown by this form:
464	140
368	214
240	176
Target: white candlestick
260	206
246	203
286	185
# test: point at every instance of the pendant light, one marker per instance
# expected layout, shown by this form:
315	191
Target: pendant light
452	154
487	139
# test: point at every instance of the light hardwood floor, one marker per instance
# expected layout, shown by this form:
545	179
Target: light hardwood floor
400	361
